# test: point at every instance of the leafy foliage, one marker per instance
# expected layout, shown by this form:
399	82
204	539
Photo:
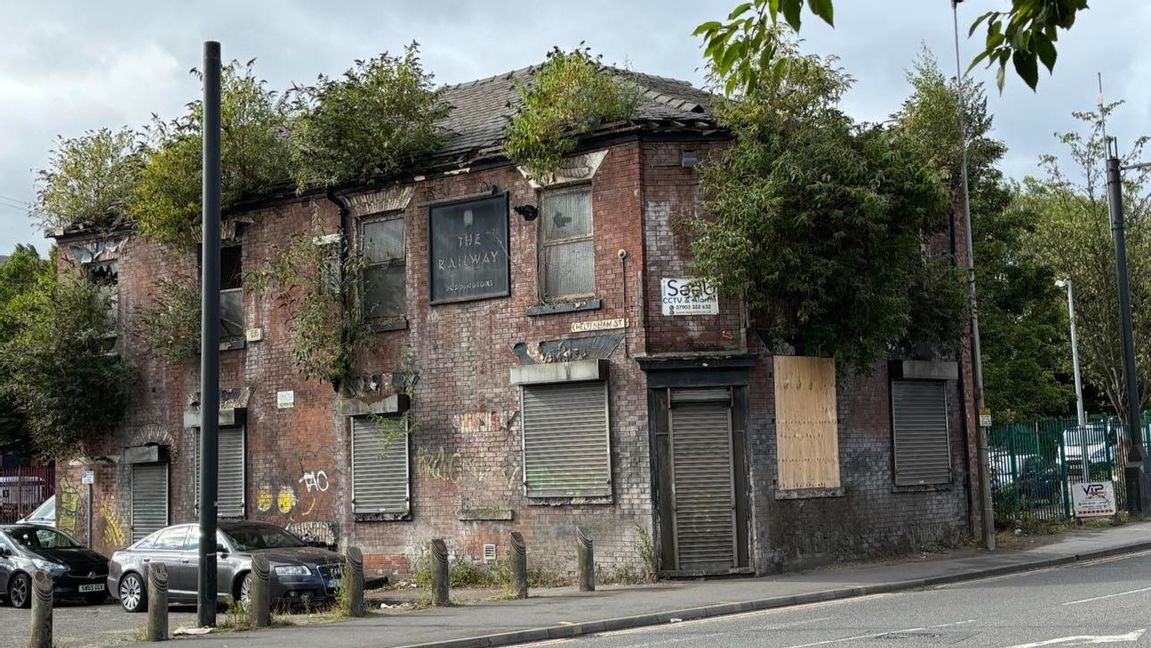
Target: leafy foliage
741	50
255	155
1074	239
171	325
18	275
568	96
88	181
56	368
817	223
376	119
319	289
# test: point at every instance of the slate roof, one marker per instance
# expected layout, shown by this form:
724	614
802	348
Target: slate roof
483	108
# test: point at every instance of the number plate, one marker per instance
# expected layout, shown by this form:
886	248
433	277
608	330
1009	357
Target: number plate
94	587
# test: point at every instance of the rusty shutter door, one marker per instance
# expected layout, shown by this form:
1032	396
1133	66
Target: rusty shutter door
703	483
230	470
380	469
149	498
566	447
919	422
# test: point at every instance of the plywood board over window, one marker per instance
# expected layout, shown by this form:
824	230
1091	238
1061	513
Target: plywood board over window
806	423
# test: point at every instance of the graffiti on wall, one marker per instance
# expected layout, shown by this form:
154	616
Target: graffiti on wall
315	481
295	501
114	525
453	467
67	507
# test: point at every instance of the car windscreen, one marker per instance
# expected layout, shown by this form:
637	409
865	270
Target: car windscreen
246	537
46	511
41	538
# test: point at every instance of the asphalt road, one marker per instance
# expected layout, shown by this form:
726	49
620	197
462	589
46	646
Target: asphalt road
1101	602
76	624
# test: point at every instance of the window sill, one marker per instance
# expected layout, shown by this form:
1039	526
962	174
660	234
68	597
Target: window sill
565	307
233	344
597	500
922	488
394	325
808	493
382	517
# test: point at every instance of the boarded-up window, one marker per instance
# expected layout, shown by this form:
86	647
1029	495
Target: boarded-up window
384	290
566	447
806	423
568	264
380	469
919	426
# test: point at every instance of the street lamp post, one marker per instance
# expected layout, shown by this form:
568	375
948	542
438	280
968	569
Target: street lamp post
1066	283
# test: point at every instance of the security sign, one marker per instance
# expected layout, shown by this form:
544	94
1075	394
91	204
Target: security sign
1093	499
688	297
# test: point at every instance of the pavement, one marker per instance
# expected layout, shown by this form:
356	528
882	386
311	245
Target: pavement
561	613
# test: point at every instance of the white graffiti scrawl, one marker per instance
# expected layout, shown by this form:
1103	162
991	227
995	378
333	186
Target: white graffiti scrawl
315	481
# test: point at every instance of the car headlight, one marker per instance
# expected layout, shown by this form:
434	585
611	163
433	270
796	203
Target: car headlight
291	570
47	565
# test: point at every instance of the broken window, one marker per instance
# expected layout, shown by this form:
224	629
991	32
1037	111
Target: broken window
231	293
567	264
566	448
384	285
920	432
105	277
380	469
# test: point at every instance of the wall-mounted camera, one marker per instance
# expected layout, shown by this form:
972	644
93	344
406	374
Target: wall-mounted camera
529	212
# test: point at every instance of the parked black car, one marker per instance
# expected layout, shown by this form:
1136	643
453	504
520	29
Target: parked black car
76	570
299	571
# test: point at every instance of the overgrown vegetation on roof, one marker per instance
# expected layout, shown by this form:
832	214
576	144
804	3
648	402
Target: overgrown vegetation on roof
89	181
568	96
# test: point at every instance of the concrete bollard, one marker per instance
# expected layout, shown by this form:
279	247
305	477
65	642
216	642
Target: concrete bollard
439	552
41	610
353	581
518	562
260	594
157	629
586	558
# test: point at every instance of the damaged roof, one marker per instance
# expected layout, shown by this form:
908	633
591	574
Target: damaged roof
481	110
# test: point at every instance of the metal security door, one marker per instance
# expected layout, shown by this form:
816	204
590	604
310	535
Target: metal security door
703	482
149	498
230	488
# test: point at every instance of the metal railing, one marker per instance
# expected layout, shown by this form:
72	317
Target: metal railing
23	489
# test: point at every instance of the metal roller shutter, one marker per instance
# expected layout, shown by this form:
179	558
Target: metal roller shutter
566	447
149	499
230	484
704	486
919	421
380	469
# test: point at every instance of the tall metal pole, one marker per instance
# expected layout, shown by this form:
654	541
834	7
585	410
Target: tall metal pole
1134	474
210	338
976	353
1079	411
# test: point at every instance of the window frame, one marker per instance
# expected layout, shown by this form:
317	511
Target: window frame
544	244
368	264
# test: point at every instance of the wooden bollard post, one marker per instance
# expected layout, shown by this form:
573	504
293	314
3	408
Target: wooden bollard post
41	610
586	559
353	581
439	551
260	595
157	629
518	561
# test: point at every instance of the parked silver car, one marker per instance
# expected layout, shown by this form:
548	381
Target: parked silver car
299	571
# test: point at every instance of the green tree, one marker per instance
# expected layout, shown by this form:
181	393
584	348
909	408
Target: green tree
18	275
1074	238
1019	308
378	118
817	222
55	367
741	48
255	155
88	181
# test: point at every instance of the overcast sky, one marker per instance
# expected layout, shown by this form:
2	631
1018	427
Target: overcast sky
67	67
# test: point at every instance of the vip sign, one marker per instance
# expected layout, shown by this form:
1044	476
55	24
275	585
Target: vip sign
1093	499
688	297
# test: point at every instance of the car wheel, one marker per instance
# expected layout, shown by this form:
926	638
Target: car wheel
246	590
19	588
132	596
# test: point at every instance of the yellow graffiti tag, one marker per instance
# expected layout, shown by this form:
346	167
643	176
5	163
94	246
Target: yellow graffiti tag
264	500
113	525
286	500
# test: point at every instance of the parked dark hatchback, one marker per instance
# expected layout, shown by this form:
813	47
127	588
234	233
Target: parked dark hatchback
299	570
76	570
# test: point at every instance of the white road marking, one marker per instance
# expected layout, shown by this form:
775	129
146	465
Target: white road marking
1107	596
1085	640
880	634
